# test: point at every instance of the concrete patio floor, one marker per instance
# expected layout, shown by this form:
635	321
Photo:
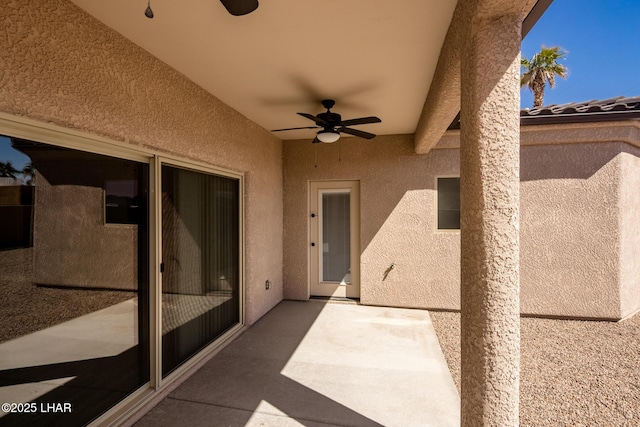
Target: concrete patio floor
317	363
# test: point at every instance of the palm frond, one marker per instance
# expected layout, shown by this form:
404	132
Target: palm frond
542	69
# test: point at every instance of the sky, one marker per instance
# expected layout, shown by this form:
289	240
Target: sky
603	41
17	159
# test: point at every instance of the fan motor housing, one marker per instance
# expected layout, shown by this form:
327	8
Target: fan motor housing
333	119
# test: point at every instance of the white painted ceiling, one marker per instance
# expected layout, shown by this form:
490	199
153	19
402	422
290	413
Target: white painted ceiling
374	57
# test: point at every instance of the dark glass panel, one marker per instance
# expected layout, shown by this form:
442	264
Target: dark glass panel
200	250
449	203
74	298
336	238
122	202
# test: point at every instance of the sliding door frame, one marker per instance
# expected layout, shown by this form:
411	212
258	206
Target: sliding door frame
157	387
200	357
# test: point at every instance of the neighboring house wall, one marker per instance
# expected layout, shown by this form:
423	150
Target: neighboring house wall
75	245
579	219
58	246
61	66
16	213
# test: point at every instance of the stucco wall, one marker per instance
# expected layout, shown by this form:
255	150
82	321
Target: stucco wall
630	231
569	245
397	218
73	247
60	65
579	219
592	236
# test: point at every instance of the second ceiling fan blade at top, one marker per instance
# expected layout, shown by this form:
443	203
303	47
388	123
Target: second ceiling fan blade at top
240	7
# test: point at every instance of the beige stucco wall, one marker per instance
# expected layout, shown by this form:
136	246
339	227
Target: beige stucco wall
579	219
397	218
630	231
580	234
60	65
88	254
569	230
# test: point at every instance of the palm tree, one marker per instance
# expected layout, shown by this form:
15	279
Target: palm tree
7	170
29	172
541	69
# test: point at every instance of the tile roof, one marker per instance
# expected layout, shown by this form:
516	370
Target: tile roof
618	108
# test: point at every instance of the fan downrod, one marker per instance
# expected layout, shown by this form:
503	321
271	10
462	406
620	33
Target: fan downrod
328	103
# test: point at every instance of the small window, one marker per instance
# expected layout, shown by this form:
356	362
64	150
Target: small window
448	203
122	202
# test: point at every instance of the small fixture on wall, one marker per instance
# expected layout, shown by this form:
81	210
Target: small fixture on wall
388	270
148	12
267	284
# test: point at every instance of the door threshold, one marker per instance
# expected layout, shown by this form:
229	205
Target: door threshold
335	299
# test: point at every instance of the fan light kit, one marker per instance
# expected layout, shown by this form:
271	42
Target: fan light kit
332	125
328	136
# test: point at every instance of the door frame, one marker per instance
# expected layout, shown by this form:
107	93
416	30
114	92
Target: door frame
332	289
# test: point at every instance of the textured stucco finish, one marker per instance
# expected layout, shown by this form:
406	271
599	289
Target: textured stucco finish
397	221
62	66
570	230
579	215
490	222
443	101
578	230
108	254
629	211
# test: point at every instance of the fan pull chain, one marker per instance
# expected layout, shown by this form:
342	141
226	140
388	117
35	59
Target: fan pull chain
340	149
315	150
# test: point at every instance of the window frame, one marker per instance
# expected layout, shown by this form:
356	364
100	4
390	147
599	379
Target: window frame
437	207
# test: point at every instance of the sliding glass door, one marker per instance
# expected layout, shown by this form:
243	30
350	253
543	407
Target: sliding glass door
74	283
200	261
118	270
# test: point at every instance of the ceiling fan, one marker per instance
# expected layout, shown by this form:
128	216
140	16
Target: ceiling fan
240	7
234	7
332	125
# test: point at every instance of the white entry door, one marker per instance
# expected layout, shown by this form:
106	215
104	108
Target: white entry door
334	249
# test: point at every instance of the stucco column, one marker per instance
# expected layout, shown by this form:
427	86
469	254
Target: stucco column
489	169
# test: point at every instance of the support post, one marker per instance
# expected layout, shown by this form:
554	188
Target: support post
489	170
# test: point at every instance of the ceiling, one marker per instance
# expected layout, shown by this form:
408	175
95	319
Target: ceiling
374	57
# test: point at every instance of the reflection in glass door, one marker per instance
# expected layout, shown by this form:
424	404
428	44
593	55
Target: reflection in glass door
201	261
74	282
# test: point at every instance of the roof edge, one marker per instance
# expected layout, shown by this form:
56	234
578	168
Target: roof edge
443	100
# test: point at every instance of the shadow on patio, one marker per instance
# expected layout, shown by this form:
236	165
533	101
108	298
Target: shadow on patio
316	363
